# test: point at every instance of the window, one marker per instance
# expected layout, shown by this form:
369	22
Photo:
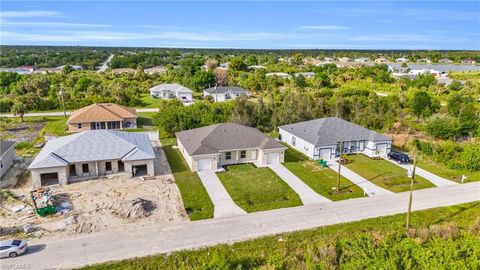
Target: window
73	171
293	140
79	125
228	155
243	154
85	168
5	247
108	166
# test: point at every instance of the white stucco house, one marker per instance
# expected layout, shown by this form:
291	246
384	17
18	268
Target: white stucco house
321	138
282	75
223	93
211	147
92	154
7	155
172	90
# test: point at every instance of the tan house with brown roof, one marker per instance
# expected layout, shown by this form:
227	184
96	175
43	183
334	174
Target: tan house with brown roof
102	116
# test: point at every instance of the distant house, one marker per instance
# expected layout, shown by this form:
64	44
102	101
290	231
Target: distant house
102	116
445	61
321	138
344	59
308	75
424	60
172	90
381	60
28	69
362	60
123	70
208	148
223	93
327	60
93	154
74	67
256	67
48	70
156	70
279	74
7	155
469	61
15	70
401	60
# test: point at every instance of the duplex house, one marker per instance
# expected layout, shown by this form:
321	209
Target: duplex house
172	90
321	138
7	155
208	148
92	154
223	93
102	116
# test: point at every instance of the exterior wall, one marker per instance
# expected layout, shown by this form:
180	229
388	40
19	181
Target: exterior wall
6	160
194	161
371	148
251	156
62	175
301	145
93	169
263	156
188	95
130	164
74	127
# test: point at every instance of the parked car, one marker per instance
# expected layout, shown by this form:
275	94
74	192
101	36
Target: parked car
399	157
12	248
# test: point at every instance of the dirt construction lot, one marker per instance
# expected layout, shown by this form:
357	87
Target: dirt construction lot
114	203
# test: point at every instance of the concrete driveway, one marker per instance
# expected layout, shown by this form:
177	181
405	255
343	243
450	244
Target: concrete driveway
113	245
368	187
435	179
222	202
307	195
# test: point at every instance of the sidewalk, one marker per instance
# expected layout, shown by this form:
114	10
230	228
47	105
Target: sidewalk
368	187
307	195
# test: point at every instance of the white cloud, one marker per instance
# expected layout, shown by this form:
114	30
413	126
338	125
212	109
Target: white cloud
51	24
324	27
29	14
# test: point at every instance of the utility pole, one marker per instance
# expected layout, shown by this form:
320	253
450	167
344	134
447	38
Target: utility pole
63	102
339	166
410	198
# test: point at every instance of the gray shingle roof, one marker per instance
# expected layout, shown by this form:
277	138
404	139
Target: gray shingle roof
225	89
221	137
94	145
174	87
4	146
330	130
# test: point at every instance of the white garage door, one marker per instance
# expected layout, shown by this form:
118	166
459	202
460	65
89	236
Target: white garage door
204	164
273	158
325	154
382	149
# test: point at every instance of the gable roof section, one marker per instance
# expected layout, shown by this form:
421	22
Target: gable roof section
94	145
224	89
222	137
101	112
331	130
175	87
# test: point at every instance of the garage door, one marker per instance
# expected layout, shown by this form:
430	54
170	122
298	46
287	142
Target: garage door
382	149
325	154
273	158
204	164
139	170
49	179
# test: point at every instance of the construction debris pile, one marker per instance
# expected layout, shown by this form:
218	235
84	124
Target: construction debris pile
43	201
137	208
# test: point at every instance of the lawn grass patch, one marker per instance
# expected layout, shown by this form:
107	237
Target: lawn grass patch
145	121
379	243
149	102
385	174
195	198
257	189
54	125
445	172
320	179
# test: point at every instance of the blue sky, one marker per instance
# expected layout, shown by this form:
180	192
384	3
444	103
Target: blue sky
247	24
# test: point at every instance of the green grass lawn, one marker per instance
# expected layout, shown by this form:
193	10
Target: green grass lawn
445	172
376	243
54	125
320	179
257	189
195	198
385	174
149	102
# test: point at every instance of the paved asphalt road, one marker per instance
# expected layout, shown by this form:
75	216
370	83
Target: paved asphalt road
100	247
68	113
